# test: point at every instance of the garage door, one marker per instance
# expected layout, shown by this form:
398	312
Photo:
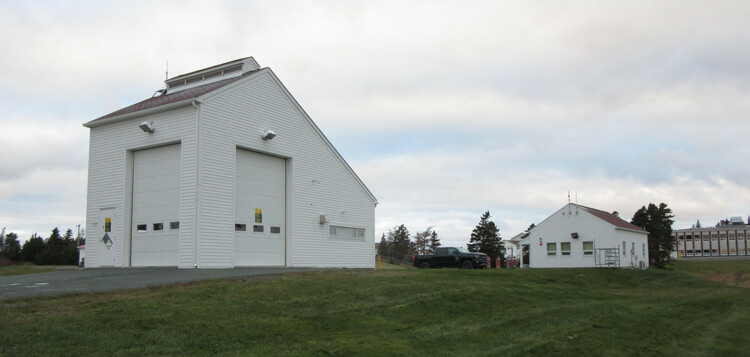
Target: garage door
156	211
259	211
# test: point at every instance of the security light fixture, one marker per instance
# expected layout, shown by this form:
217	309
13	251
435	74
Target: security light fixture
147	127
268	135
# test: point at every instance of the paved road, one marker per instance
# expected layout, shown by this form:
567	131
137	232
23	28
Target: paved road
84	280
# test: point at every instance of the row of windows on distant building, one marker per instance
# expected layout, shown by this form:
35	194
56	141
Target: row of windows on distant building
712	242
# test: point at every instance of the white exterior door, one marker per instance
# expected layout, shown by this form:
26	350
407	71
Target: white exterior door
107	237
259	210
156	207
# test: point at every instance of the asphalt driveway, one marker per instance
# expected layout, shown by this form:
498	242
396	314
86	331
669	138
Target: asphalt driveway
85	280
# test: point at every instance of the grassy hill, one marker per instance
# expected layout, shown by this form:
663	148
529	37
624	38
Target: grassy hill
396	312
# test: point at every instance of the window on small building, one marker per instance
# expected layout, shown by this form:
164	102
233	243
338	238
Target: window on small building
142	227
565	248
346	232
644	249
258	228
174	225
240	227
158	226
588	248
623	247
275	229
551	249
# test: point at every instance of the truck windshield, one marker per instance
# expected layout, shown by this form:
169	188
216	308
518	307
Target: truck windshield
462	250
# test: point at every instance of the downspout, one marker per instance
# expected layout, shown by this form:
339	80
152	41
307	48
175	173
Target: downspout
196	103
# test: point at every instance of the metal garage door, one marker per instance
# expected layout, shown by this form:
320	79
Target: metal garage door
259	210
156	206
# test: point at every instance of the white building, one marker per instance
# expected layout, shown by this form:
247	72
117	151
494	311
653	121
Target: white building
579	236
223	168
513	248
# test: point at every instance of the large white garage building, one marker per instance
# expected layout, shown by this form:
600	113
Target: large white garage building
223	168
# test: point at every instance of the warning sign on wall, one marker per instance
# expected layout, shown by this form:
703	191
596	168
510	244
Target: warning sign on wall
108	224
258	215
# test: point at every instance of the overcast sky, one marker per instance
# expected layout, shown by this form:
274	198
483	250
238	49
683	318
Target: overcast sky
444	109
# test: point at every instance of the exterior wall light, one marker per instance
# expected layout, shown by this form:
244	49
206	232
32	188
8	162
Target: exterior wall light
268	135
147	127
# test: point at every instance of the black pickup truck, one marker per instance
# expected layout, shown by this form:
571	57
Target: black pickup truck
450	257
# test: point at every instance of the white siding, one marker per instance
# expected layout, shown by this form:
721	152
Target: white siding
558	228
156	200
110	176
318	181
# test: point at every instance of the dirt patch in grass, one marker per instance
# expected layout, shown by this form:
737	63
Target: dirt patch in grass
734	278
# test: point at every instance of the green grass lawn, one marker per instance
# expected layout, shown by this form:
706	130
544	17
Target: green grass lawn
24	269
395	312
731	272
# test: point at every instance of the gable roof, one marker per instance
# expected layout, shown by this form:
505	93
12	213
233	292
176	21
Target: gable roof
169	98
607	217
186	96
611	218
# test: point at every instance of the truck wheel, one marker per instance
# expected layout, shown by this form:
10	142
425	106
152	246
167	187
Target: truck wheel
424	265
466	264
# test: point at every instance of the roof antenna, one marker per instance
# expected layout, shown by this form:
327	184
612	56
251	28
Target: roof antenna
166	74
576	202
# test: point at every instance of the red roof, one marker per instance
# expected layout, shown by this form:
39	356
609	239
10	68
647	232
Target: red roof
612	219
172	97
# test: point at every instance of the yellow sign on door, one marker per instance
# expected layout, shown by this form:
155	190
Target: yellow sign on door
258	215
108	224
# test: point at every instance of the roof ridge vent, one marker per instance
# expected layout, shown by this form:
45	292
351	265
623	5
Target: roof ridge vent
211	74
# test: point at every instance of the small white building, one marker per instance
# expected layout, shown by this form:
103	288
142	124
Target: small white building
581	237
222	168
513	249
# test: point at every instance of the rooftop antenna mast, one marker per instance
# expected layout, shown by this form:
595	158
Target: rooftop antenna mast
166	73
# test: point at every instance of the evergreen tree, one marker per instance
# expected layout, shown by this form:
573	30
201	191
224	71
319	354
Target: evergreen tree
33	248
698	223
485	238
399	243
434	243
657	221
58	250
55	239
422	241
526	232
383	247
11	248
68	237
